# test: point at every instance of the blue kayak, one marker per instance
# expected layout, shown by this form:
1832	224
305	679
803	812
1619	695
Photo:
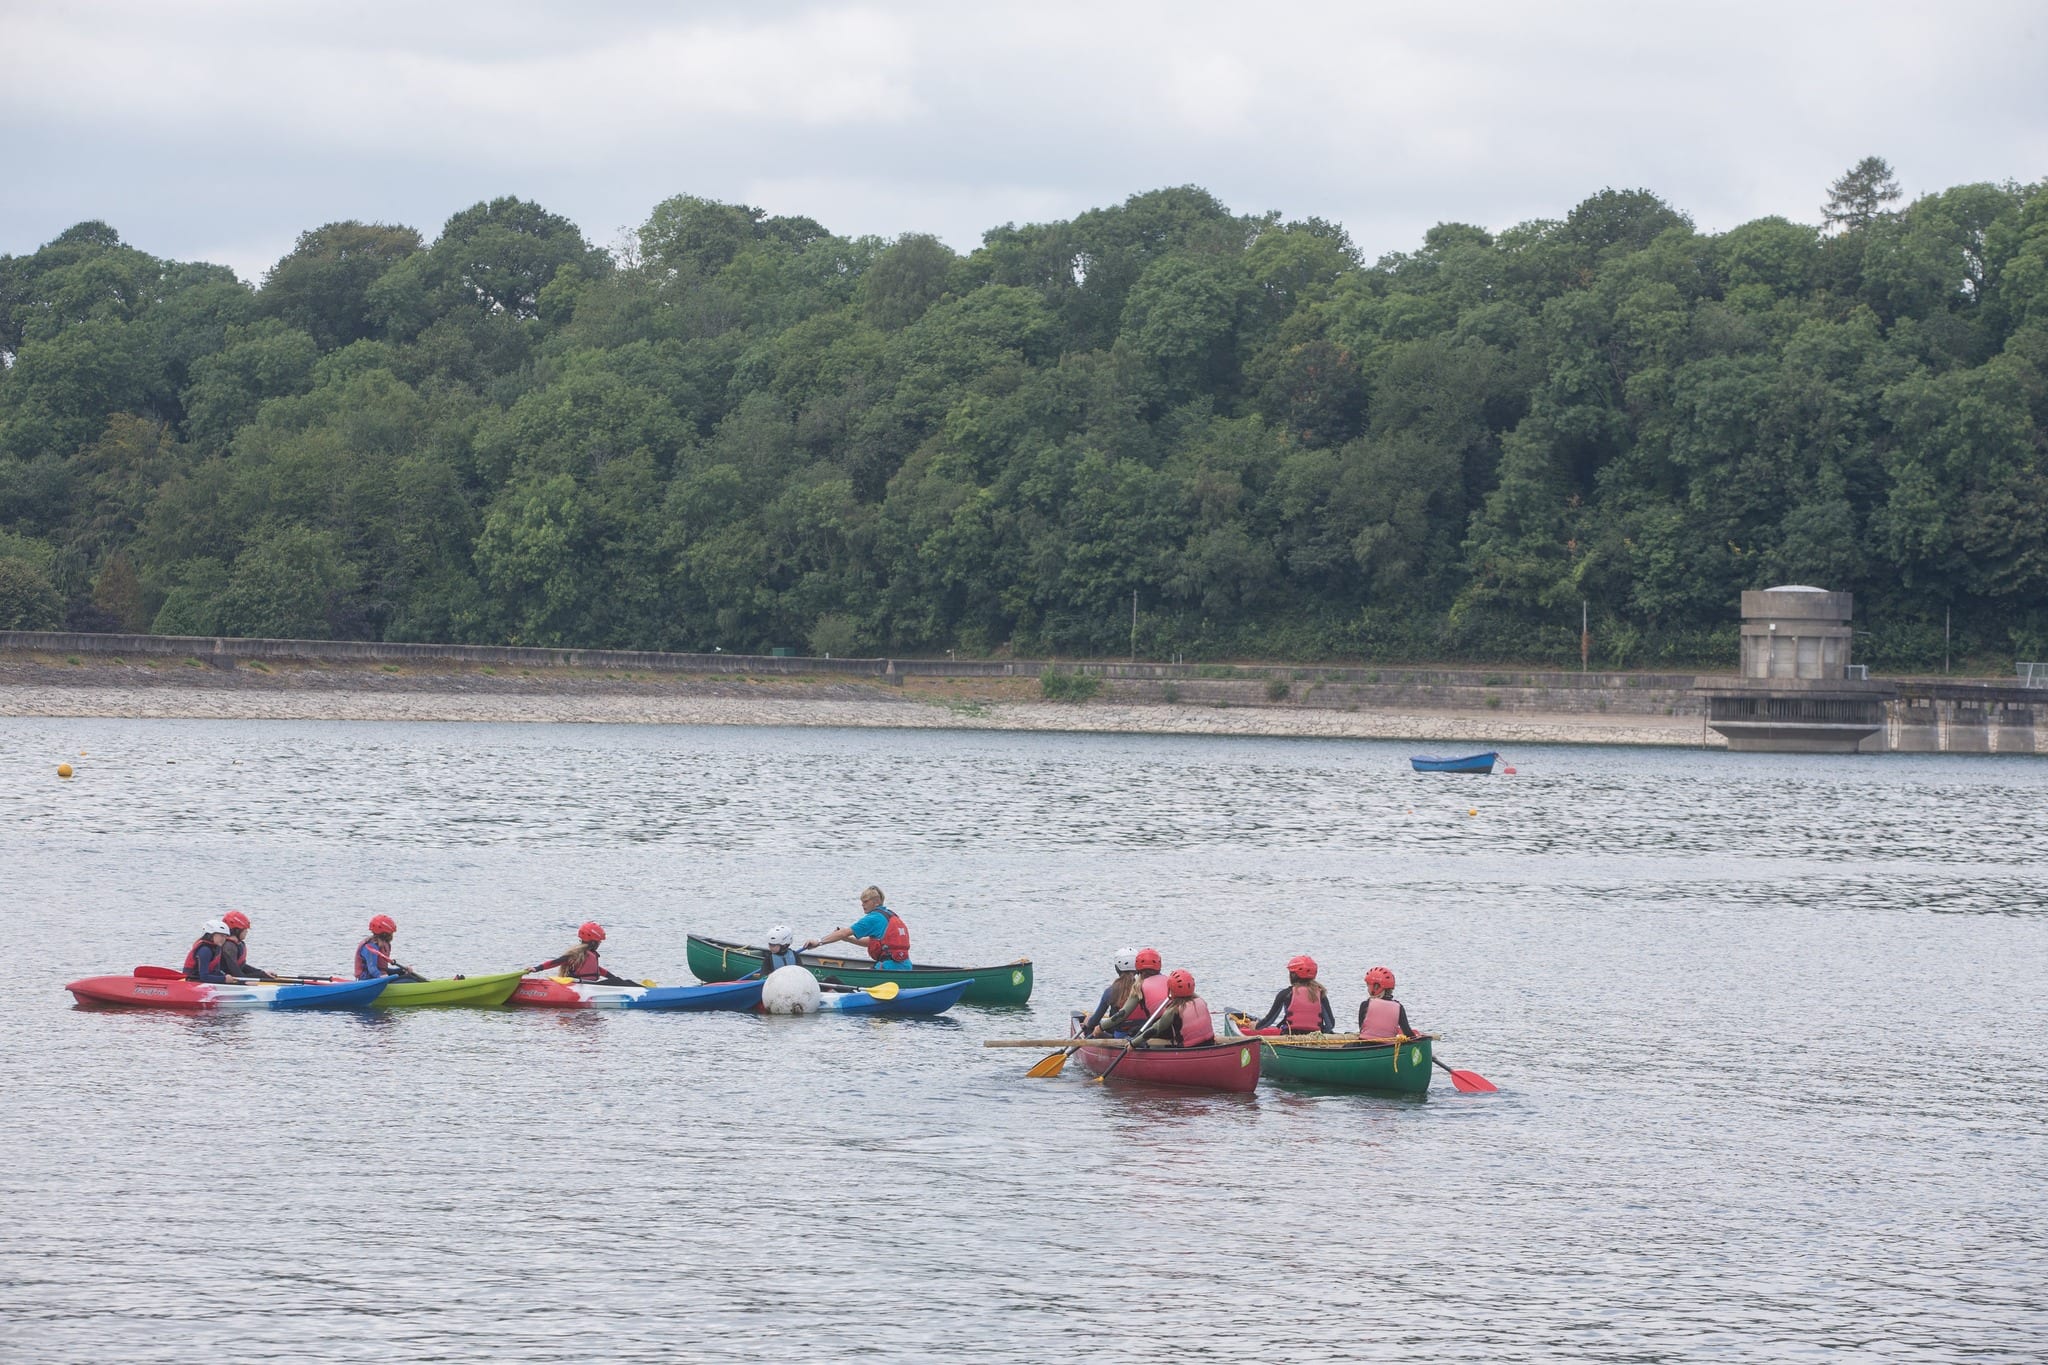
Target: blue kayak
329	995
1469	763
917	1000
722	995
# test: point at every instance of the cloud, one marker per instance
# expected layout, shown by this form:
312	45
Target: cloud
231	124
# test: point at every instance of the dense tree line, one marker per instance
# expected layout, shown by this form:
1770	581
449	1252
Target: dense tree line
744	431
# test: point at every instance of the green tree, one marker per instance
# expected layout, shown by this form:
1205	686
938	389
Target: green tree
1860	196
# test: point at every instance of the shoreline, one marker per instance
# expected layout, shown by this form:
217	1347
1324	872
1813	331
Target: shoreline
38	689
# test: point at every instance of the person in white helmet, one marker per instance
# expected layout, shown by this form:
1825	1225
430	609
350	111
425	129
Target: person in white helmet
1117	994
780	954
203	959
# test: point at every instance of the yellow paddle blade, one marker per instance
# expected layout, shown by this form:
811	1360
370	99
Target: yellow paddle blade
648	984
886	991
564	980
1049	1066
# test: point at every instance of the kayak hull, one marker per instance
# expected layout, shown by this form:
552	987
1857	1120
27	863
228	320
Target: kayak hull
924	1000
719	995
156	993
476	991
1392	1068
555	993
1229	1064
714	959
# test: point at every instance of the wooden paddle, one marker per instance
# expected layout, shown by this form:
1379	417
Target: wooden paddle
1466	1082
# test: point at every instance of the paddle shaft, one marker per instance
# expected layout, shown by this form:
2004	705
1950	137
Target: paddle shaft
1056	1042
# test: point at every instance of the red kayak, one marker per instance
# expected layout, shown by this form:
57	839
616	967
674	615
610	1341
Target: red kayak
1227	1064
158	988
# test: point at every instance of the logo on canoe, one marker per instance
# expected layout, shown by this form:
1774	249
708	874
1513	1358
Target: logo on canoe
1016	978
152	990
1244	1056
1414	1056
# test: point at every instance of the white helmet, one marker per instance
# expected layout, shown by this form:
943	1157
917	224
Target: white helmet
214	926
1127	959
780	936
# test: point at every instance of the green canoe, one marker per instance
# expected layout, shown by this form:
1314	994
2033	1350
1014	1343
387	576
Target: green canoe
458	990
1325	1059
714	959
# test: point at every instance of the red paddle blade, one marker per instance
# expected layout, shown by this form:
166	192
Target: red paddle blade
1472	1083
158	974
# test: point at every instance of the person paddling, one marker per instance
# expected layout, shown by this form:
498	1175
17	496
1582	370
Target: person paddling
1116	994
1184	1020
779	954
234	951
1142	1003
1302	1005
880	930
373	954
581	962
203	960
1380	1015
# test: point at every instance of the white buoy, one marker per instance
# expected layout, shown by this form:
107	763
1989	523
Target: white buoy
790	990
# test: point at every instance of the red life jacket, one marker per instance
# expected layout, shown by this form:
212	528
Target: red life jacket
1196	1028
192	958
894	944
1154	988
589	969
234	957
1382	1019
383	958
1305	1011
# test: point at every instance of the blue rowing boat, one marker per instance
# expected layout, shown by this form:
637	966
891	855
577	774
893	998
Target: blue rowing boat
1470	763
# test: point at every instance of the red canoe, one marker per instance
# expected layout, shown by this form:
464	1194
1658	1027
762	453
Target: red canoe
1228	1064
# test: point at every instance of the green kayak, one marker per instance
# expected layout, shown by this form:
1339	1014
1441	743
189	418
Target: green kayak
714	959
1327	1059
456	990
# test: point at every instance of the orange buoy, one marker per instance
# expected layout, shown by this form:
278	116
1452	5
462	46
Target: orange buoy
63	770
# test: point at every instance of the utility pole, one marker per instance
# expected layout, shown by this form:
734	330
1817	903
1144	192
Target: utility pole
1585	637
1134	625
1948	615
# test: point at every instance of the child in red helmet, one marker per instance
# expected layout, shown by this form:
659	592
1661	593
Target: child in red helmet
1184	1020
373	954
1381	1015
1143	1002
1302	1006
581	961
234	950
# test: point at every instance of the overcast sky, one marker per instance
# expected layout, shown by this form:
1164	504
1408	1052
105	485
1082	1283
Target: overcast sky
219	129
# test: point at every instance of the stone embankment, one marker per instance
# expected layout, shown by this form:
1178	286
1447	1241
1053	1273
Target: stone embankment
45	675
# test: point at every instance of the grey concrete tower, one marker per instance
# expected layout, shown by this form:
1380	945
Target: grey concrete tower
1796	632
1794	694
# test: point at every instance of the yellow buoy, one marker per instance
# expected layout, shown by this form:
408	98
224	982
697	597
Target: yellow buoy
63	770
1471	812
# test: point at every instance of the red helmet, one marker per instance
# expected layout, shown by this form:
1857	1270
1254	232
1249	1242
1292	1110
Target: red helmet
1148	959
235	919
383	924
1380	979
591	932
1180	984
1302	968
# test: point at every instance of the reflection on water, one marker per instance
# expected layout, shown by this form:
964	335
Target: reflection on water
1771	1035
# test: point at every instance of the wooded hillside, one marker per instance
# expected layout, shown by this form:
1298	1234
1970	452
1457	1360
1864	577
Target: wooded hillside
746	431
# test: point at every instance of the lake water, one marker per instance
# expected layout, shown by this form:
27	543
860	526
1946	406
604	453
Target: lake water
1771	1034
